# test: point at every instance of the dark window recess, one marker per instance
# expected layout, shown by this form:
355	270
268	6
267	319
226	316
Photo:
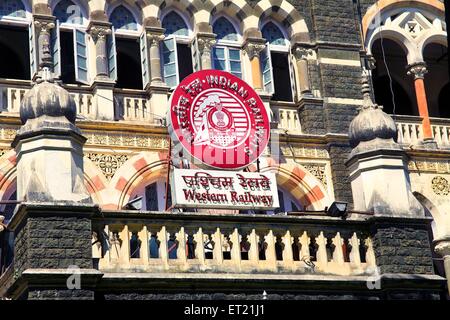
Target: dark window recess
151	197
190	245
14	52
184	60
67	57
135	245
281	77
129	72
169	196
383	96
153	246
281	200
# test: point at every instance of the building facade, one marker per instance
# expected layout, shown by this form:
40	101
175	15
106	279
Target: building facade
317	66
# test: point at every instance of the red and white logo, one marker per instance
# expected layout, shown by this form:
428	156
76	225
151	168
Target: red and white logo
219	120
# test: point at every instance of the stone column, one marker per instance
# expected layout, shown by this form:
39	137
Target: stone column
43	25
418	71
301	55
442	248
99	34
102	85
205	42
154	37
253	48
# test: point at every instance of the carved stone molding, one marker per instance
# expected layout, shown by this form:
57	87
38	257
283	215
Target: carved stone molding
304	152
252	49
318	170
99	32
302	53
108	163
205	44
429	166
440	186
154	38
417	70
126	140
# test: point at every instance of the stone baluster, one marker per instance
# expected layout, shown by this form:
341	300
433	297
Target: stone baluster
200	246
144	252
114	250
217	239
338	254
163	249
271	256
355	256
322	257
125	247
235	239
288	257
304	241
181	237
370	254
253	253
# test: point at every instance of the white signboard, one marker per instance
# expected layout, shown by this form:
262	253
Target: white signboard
224	190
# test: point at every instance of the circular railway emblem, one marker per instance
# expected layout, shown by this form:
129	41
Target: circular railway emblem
219	120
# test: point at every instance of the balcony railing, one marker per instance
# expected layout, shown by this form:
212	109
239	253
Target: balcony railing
132	105
287	118
410	131
160	242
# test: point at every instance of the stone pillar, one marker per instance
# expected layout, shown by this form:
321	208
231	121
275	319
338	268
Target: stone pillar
442	248
43	26
205	42
253	48
102	85
99	32
301	56
418	71
154	37
52	226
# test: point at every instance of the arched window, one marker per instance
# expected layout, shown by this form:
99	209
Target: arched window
225	30
273	35
391	60
176	49
17	45
67	11
153	195
174	25
122	18
127	51
12	8
69	43
276	64
227	54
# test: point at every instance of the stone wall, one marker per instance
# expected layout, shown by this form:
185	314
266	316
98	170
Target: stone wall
403	249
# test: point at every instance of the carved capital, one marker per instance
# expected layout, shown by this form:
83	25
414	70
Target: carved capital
205	44
442	247
253	49
44	26
417	70
302	53
99	32
154	38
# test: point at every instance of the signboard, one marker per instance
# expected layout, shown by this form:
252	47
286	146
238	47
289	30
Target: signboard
224	190
219	120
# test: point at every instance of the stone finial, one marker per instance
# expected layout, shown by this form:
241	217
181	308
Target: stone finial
47	99
371	123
